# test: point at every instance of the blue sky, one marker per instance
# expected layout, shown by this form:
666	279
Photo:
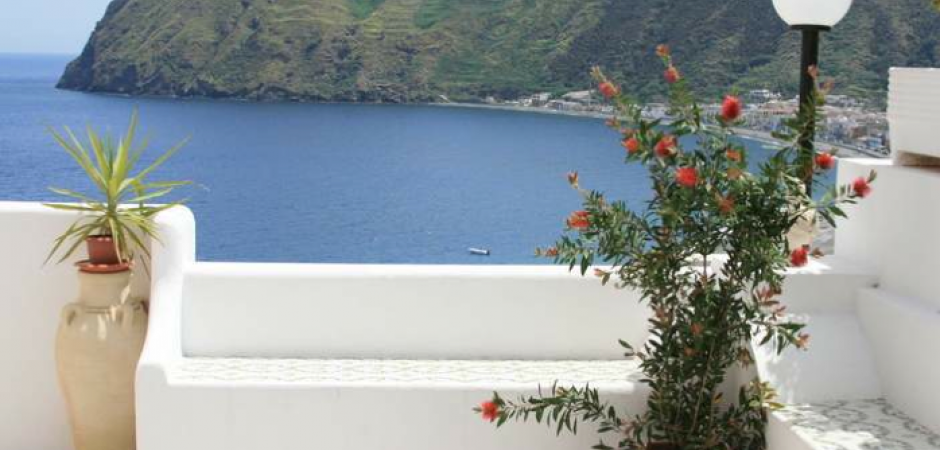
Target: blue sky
48	26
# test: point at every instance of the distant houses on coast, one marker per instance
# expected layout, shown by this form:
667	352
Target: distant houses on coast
848	122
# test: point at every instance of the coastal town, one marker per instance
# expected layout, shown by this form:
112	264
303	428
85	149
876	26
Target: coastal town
849	125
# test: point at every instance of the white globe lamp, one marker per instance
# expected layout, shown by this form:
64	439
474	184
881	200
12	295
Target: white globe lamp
823	14
811	17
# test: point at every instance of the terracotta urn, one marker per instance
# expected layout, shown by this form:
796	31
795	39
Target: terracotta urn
99	341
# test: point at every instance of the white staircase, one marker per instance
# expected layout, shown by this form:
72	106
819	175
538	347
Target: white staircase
870	379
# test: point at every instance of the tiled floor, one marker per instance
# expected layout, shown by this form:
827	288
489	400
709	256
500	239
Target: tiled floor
859	425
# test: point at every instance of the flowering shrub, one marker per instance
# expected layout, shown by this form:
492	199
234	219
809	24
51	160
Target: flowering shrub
706	308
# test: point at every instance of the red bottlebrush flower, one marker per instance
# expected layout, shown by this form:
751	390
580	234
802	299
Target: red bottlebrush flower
573	178
489	410
551	252
608	89
666	146
632	145
731	108
725	205
802	341
825	161
733	155
687	176
579	220
861	187
662	50
800	256
672	75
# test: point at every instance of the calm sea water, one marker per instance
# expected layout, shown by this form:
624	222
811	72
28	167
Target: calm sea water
331	183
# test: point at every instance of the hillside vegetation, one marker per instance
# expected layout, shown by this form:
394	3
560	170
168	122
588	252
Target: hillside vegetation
418	50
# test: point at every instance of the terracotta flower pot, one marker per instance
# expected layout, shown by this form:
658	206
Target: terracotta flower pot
101	250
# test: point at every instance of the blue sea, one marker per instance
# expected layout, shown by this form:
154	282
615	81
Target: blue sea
338	183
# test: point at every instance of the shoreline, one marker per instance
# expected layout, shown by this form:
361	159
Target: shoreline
761	136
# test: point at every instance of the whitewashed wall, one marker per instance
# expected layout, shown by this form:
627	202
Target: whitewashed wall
32	413
338	311
897	228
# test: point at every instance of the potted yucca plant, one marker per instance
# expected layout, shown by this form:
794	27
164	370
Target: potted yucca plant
116	219
707	308
101	334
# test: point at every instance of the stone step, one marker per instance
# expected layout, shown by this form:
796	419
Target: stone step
870	424
838	364
827	285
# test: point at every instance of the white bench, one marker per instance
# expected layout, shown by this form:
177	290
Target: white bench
337	357
387	404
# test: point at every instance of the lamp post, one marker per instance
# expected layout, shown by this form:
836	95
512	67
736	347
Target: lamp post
811	17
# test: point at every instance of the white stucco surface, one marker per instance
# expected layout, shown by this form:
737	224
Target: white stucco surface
428	312
240	356
905	335
248	356
896	228
838	365
913	99
872	359
32	412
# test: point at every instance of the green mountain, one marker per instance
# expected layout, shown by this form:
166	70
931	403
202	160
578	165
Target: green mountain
418	50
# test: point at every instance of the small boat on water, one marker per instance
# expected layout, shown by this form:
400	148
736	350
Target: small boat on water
478	251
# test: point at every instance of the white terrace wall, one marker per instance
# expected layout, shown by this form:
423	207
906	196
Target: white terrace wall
432	312
896	229
32	413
